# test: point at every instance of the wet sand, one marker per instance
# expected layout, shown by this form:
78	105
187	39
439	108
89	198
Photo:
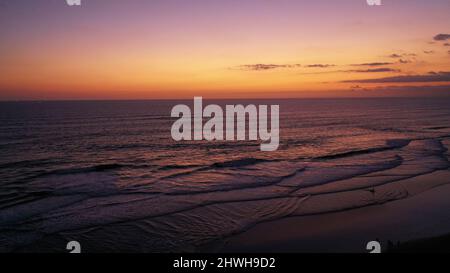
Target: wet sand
422	215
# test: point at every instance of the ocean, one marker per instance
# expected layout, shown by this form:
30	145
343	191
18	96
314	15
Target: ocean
109	175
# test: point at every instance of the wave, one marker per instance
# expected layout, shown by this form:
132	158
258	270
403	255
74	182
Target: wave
94	169
212	201
177	167
391	144
242	162
29	163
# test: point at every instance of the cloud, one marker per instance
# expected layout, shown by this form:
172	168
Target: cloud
400	55
442	37
447	44
263	67
428	51
395	56
374	70
372	64
430	77
319	65
402	61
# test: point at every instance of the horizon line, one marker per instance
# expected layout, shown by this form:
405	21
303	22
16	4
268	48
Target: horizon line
225	98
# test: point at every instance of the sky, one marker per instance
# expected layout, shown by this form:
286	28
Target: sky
153	49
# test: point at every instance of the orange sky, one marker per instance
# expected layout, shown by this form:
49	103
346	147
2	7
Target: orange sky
178	49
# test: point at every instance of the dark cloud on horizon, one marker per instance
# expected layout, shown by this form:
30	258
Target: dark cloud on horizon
430	77
372	64
401	61
395	56
374	70
263	67
371	70
442	37
319	65
400	55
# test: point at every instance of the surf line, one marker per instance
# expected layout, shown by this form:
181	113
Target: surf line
235	118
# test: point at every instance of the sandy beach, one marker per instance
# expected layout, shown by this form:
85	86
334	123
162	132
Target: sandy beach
423	215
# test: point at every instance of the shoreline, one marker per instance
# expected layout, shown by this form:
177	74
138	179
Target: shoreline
404	222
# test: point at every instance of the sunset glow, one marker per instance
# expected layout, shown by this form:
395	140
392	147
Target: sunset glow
252	48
